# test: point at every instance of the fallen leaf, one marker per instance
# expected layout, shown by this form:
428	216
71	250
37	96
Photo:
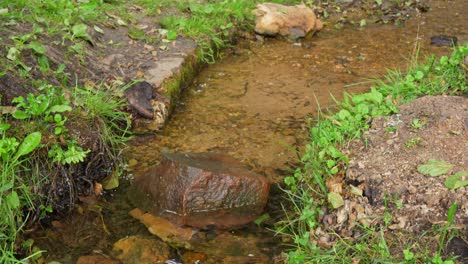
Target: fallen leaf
98	29
111	181
355	190
435	168
121	22
97	189
455	181
335	200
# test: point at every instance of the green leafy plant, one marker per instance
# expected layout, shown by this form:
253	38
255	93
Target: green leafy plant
413	142
72	155
417	124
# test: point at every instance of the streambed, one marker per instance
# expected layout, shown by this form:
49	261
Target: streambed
255	105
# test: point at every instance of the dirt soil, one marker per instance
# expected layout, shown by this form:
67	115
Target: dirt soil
385	163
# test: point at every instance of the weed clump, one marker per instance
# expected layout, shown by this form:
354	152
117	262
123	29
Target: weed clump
52	149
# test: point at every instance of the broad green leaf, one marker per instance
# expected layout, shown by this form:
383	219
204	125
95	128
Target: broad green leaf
4	127
419	75
6	187
289	181
13	54
460	184
343	114
13	199
18	114
136	33
111	181
171	35
79	31
435	168
60	108
29	144
453	182
37	47
335	200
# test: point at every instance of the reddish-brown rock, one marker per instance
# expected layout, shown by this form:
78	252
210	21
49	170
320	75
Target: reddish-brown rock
136	250
204	189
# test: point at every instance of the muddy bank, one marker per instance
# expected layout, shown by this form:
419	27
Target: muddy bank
386	165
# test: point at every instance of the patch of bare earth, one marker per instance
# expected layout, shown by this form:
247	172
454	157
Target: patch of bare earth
384	164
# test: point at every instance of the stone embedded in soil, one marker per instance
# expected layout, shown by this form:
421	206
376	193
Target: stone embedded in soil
139	98
135	250
204	189
288	21
164	229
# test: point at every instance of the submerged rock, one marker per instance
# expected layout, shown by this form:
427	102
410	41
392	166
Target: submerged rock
204	189
96	259
448	41
164	229
288	21
135	249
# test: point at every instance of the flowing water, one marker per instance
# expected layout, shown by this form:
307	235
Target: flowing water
255	105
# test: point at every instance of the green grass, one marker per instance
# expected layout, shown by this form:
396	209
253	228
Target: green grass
323	158
35	144
211	24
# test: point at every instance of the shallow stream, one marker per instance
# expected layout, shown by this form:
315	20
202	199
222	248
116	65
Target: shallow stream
255	105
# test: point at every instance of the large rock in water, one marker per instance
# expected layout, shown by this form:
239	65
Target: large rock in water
288	21
204	189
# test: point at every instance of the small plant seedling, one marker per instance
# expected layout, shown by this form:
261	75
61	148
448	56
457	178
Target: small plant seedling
417	124
408	255
391	129
413	142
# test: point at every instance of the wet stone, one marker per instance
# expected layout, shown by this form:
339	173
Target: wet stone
164	229
204	190
135	250
139	98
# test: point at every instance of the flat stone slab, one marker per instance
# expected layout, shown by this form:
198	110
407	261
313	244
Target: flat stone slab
204	189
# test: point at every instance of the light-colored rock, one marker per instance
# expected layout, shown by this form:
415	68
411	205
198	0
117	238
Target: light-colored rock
289	21
164	229
135	249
